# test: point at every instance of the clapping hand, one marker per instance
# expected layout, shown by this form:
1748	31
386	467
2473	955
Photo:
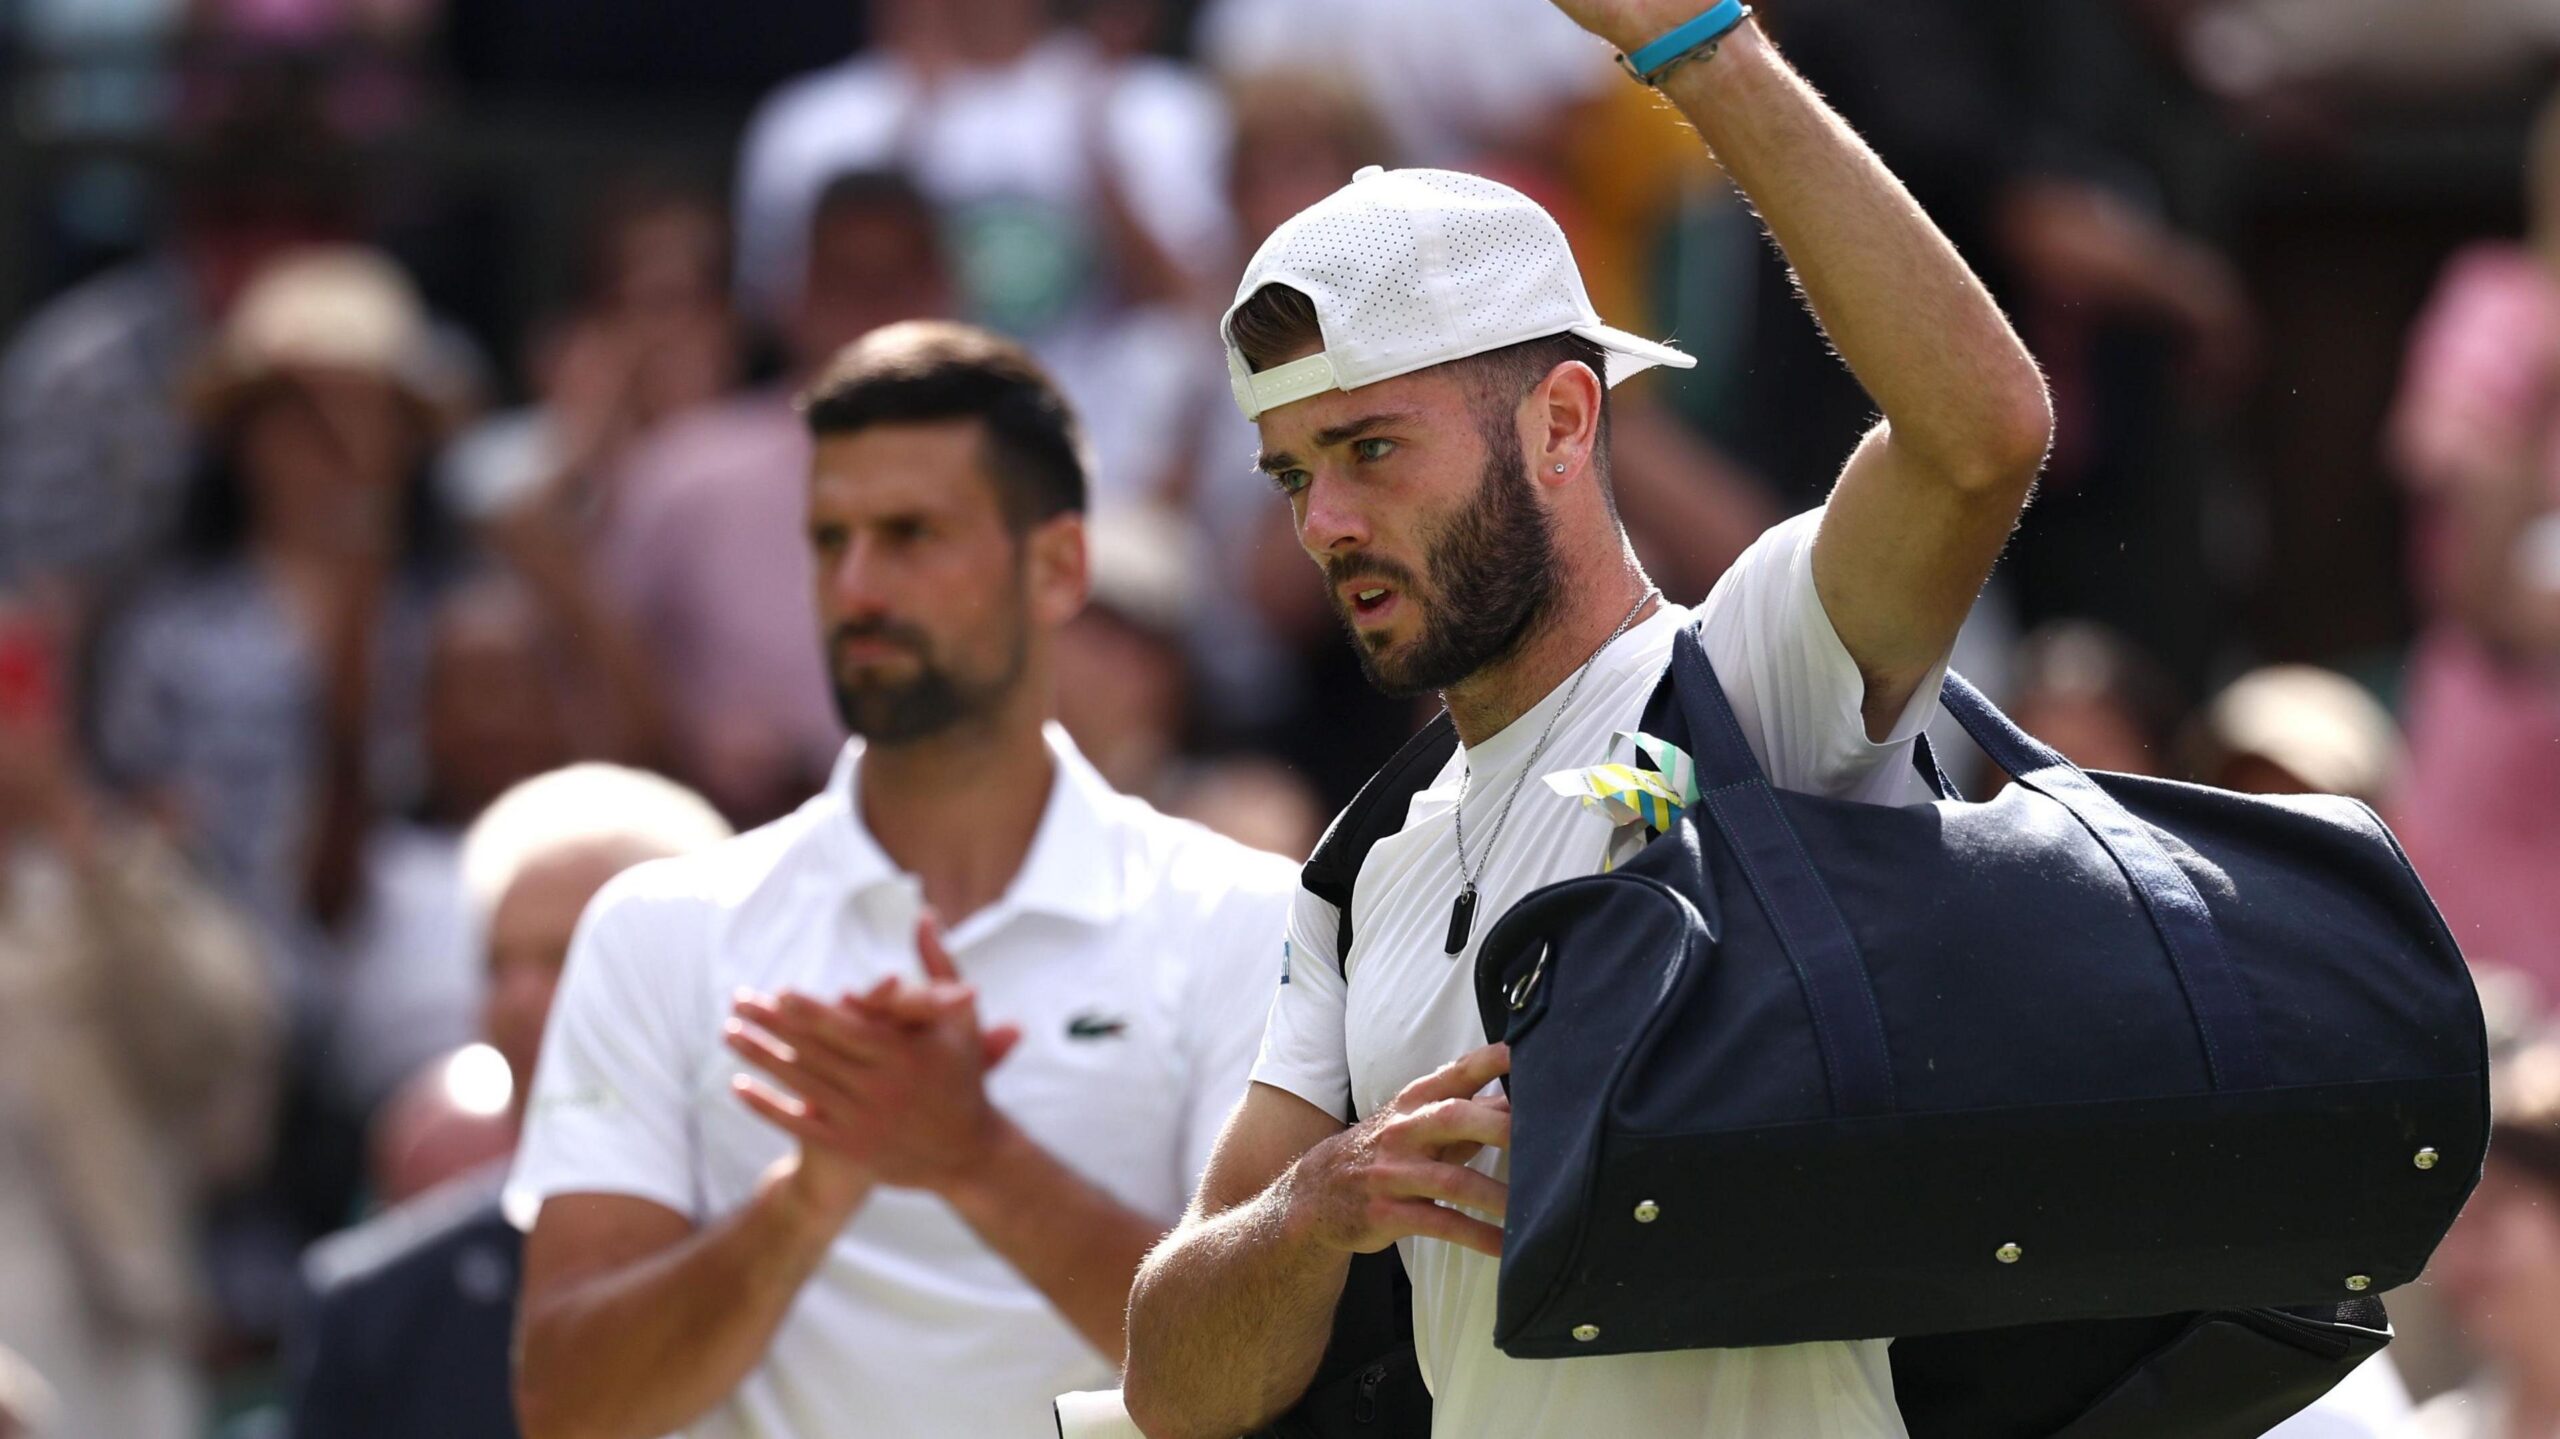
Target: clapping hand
891	1081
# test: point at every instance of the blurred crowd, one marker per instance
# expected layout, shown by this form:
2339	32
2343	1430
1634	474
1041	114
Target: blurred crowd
371	443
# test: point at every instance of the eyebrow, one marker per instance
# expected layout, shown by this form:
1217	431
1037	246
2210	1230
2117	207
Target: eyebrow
1326	439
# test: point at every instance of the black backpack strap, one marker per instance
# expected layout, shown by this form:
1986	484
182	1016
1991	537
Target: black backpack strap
1377	811
1369	1382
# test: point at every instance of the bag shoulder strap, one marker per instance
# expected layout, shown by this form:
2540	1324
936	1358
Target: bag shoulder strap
1333	871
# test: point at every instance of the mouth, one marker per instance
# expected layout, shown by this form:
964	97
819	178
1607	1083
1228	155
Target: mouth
1368	603
868	653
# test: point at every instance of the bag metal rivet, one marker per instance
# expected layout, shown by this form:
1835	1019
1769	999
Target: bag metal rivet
1647	1212
2359	1282
2008	1254
1586	1332
2426	1159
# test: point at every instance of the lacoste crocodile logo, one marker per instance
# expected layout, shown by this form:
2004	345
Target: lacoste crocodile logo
1090	1025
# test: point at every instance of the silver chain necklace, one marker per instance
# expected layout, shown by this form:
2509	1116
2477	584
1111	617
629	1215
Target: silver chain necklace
1462	914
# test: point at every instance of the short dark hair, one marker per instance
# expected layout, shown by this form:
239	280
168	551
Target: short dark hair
1278	324
923	371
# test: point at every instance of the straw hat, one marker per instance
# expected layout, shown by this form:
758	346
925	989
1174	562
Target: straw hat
342	309
2318	725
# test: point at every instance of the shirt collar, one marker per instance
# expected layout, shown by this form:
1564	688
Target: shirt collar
1073	870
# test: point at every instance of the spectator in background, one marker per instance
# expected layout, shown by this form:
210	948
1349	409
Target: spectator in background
136	1038
2085	690
2476	434
2500	1267
648	335
1130	707
1500	68
93	440
2297	729
704	547
923	1242
263	692
498	710
1078	187
413	1312
265	688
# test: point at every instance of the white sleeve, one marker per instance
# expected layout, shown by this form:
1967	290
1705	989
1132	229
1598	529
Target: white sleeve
1793	685
1304	1047
1229	998
611	1108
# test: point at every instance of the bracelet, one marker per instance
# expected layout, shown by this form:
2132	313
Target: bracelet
1698	39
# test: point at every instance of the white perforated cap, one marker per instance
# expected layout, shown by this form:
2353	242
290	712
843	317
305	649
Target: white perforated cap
1414	268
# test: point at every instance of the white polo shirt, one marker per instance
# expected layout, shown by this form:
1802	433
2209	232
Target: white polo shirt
1133	949
1409	1007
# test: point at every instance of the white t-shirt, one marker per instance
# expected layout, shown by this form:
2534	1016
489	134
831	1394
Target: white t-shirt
1408	1007
1005	153
1132	948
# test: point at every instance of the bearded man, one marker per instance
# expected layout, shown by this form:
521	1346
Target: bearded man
912	1223
1431	384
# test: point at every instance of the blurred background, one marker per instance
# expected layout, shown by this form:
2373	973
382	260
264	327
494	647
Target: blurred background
394	405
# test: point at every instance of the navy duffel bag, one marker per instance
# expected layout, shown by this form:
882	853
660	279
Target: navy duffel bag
2122	1056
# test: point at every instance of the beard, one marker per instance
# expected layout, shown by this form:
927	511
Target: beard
1492	575
929	702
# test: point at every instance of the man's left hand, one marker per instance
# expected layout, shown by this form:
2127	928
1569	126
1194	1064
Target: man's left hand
902	1069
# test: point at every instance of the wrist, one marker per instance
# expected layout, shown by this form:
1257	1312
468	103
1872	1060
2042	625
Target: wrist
976	1183
1649	25
815	1200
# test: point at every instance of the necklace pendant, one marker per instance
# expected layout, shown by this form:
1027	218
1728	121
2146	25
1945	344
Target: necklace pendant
1462	919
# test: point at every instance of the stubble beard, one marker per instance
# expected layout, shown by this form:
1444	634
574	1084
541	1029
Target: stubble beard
934	701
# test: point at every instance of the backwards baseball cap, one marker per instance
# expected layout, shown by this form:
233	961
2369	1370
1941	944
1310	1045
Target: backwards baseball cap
1414	268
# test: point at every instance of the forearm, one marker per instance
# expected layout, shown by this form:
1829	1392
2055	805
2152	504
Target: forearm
1961	394
1227	1321
1076	1244
648	1349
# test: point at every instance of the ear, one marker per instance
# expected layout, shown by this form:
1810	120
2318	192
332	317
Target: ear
1563	422
1056	572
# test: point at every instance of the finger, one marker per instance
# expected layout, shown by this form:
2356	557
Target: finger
1447	1122
1457	1079
1439	1221
929	1004
998	1042
929	949
784	1062
851	1037
1450	1184
787	1114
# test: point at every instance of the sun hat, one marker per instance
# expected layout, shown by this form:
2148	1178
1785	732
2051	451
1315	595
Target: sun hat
344	309
1414	268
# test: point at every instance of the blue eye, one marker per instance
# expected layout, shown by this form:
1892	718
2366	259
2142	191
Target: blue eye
1373	449
1290	481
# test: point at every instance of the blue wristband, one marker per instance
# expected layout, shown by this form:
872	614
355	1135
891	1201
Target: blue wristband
1649	63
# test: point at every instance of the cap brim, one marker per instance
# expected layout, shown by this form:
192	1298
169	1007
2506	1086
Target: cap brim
1631	355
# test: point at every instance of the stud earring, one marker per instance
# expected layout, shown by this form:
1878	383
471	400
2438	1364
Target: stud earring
1559	469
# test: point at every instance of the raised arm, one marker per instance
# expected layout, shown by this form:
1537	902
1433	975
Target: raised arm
1924	506
1231	1312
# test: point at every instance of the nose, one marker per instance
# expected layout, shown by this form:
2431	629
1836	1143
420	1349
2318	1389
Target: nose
853	584
1330	521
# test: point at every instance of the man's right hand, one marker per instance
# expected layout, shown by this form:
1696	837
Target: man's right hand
1403	1170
